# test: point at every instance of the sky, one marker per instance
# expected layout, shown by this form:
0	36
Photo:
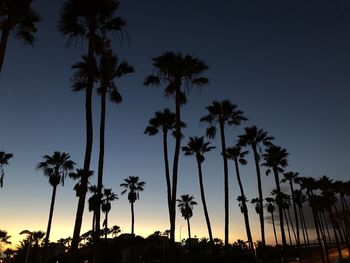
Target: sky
284	63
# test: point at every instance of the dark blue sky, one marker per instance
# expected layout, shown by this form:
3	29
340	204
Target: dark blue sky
285	63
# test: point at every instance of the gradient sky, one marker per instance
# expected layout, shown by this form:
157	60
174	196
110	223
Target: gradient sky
285	63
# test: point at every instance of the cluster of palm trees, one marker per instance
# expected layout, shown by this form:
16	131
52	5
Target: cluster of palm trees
94	22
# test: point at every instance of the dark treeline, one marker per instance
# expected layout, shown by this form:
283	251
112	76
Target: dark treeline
95	22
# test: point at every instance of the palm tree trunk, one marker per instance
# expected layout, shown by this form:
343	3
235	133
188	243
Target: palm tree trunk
274	228
323	235
106	225
302	218
280	211
52	205
132	219
88	150
189	229
204	203
261	214
326	226
100	164
288	229
245	209
340	255
292	226
226	193
295	214
176	160
167	173
3	44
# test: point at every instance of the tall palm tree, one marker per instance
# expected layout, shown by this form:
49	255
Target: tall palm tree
133	186
276	160
290	177
19	17
56	168
108	197
165	121
185	204
271	208
254	138
4	160
178	73
223	113
238	156
198	147
90	20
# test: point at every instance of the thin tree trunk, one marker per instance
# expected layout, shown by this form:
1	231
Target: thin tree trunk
176	161
340	255
295	214
52	205
106	225
167	173
280	211
261	214
288	229
274	228
318	218
226	193
292	226
304	224
245	209
3	44
132	219
100	164
204	203
88	150
189	229
326	226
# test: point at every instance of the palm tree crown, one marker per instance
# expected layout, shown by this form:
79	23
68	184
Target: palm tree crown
197	146
4	160
236	154
134	186
186	204
275	157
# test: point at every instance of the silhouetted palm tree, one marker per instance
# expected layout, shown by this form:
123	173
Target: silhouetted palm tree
178	73
90	20
56	167
271	208
276	160
237	155
185	204
198	147
108	197
254	137
79	175
93	205
114	231
223	113
17	16
299	199
4	160
290	177
4	238
133	186
165	121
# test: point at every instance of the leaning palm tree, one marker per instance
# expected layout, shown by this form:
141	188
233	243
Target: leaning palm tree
237	155
4	160
133	186
290	178
198	147
178	73
276	160
16	16
271	208
185	204
165	121
56	168
223	113
254	137
90	20
108	197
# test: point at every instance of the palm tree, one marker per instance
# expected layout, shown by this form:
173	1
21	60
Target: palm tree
185	205
93	205
276	160
106	206
271	208
79	175
299	199
56	168
198	147
114	231
164	120
133	186
4	238
4	160
178	73
223	113
17	16
237	155
290	178
254	137
90	20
